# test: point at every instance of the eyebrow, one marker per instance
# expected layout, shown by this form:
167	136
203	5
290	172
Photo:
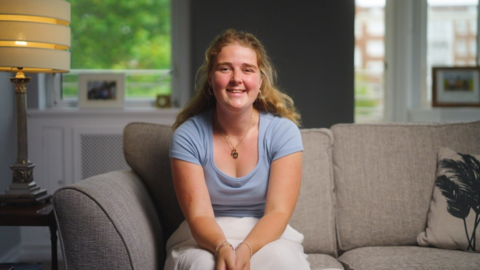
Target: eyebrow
251	66
230	64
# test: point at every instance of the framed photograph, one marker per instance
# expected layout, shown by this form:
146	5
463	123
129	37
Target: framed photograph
102	90
163	101
456	87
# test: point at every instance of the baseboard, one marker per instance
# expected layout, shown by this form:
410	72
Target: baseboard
12	255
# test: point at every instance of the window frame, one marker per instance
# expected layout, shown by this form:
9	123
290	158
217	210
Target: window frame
406	58
180	66
406	64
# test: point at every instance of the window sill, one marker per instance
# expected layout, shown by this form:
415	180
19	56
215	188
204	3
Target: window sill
70	102
444	114
64	112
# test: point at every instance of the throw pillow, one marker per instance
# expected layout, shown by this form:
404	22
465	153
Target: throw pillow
453	218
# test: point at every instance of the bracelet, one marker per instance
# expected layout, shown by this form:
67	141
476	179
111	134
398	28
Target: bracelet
251	250
222	244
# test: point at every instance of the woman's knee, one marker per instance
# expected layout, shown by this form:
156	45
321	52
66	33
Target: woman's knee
195	259
279	254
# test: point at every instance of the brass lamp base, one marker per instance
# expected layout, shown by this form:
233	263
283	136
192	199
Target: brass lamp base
23	189
23	193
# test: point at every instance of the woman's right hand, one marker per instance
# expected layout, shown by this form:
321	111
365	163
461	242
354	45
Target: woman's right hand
226	258
242	253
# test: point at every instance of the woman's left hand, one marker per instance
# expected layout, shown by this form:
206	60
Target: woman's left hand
243	257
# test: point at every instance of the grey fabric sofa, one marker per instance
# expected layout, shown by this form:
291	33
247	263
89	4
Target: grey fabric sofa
366	191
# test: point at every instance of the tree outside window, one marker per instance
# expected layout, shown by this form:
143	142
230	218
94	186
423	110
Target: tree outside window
122	35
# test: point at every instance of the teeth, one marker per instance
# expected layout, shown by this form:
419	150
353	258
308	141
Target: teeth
236	91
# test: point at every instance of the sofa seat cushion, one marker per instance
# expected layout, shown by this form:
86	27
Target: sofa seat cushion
412	258
321	261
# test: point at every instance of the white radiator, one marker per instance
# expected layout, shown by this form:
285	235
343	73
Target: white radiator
98	152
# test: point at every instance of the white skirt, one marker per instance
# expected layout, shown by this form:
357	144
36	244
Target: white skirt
183	253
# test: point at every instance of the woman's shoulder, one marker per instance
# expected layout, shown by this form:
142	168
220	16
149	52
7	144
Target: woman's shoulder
281	136
277	123
189	141
195	123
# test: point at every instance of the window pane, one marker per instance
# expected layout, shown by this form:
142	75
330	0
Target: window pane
369	60
451	35
132	37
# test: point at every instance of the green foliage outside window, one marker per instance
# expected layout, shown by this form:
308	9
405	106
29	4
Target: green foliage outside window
368	97
121	34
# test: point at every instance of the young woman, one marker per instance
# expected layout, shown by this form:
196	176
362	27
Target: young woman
236	157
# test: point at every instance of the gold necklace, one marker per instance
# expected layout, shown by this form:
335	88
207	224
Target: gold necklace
234	153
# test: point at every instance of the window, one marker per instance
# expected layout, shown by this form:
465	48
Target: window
132	37
418	35
369	60
376	27
473	49
451	35
375	48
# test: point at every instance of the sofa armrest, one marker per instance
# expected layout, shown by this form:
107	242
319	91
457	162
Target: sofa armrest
109	222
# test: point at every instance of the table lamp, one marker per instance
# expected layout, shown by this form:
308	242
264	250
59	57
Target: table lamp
34	37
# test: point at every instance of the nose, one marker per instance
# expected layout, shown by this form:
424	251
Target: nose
236	78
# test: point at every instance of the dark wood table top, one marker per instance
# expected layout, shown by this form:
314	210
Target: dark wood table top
40	214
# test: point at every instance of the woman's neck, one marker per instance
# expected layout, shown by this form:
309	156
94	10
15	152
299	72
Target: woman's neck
234	124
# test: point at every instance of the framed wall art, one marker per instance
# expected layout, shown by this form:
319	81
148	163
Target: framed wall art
163	101
456	87
101	90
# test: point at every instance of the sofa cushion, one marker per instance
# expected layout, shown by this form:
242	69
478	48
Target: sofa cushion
323	262
146	147
384	178
452	220
314	212
411	258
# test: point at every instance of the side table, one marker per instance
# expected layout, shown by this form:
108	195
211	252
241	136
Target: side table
32	215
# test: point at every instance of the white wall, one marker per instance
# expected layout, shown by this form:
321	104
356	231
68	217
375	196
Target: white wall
10	236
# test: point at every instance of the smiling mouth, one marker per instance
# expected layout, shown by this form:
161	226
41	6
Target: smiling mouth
235	91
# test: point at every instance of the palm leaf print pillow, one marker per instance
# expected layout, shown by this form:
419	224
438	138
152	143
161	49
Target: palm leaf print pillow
454	215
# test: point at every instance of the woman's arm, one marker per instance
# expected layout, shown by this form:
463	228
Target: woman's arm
194	199
282	195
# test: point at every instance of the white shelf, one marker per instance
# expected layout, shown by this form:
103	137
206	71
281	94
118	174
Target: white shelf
102	112
444	114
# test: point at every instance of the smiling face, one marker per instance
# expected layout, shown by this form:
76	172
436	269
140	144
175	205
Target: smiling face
235	77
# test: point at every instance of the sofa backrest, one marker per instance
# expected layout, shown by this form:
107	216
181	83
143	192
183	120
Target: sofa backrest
314	213
384	178
146	149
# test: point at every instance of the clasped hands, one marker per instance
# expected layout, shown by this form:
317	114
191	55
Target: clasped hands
231	258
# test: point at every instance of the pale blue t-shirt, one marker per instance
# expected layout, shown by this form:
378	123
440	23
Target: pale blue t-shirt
230	196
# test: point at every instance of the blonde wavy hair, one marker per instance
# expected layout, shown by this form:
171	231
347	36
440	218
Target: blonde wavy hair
270	100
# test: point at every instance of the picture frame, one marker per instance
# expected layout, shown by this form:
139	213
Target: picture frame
101	90
456	87
162	101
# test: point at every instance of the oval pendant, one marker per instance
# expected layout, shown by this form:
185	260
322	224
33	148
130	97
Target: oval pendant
235	154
